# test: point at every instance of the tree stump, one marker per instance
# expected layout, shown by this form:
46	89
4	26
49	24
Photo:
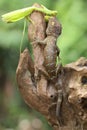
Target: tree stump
42	96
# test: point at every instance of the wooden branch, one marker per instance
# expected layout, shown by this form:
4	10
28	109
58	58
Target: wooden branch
41	94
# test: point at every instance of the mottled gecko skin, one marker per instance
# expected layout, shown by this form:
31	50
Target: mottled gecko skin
51	51
50	56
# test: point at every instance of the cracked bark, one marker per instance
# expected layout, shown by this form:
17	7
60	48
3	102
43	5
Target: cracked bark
40	95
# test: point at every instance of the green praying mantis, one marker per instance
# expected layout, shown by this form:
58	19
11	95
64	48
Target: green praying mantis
25	12
19	14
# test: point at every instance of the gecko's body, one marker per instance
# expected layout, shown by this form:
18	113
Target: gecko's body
51	51
50	56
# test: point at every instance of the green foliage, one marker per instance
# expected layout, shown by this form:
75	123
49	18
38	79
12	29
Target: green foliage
72	14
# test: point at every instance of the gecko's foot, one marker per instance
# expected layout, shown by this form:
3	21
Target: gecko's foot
42	71
39	42
34	43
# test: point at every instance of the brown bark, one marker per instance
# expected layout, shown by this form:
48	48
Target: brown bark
42	95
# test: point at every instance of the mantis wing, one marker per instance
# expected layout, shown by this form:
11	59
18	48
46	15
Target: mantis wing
17	15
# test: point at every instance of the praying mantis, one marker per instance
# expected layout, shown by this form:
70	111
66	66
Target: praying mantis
19	14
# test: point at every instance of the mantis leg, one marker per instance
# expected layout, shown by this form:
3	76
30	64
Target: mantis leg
29	19
23	35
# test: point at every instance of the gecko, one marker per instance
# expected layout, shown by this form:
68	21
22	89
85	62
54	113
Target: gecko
51	52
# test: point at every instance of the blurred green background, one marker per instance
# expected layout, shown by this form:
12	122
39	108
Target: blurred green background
72	14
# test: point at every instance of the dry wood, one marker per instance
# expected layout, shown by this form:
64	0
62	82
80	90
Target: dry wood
41	94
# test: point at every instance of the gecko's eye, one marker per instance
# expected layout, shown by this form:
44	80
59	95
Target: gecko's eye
84	80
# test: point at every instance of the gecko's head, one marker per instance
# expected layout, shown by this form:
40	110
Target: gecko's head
54	27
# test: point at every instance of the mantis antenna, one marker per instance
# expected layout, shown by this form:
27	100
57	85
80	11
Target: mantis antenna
21	44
